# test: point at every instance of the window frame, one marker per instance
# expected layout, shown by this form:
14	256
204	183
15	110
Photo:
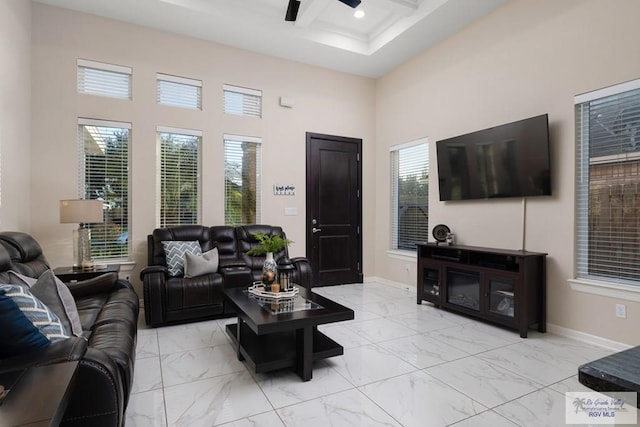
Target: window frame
180	132
258	196
394	199
82	181
176	84
246	94
105	69
594	284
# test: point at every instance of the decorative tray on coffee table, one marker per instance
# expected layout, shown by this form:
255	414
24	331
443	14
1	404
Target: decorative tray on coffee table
258	290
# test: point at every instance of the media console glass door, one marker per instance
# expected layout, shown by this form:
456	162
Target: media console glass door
463	288
501	296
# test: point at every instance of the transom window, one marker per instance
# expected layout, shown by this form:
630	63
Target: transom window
242	101
179	91
99	78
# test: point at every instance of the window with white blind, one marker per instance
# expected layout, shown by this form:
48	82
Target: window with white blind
409	194
179	176
242	179
103	159
98	78
608	184
242	101
179	91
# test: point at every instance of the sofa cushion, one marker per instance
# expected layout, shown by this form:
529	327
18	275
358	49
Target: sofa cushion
17	334
56	296
42	317
198	265
175	251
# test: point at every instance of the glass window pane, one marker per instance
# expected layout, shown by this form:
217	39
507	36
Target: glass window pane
242	164
608	188
179	179
410	195
104	175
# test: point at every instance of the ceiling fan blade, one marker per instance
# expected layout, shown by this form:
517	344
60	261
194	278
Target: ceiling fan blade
292	10
352	3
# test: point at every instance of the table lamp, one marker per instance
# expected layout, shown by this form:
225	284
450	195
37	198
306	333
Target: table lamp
83	212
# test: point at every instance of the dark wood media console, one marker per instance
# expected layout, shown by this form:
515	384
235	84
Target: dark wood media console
501	286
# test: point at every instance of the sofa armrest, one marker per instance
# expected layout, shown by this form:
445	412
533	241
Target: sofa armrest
71	349
96	285
153	269
154	281
302	274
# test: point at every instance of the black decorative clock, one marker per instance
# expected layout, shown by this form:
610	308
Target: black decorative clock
440	232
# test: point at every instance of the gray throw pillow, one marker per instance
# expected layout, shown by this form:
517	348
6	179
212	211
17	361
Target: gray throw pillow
175	251
199	265
38	313
56	296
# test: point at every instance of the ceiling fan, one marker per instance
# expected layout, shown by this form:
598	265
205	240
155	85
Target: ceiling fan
294	6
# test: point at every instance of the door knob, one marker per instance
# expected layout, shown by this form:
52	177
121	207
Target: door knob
315	230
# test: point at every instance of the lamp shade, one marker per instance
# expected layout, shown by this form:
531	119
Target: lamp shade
80	211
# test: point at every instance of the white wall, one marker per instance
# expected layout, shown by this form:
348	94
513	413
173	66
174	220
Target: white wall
15	114
526	58
325	102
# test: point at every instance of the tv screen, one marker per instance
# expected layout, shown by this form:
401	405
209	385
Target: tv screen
511	160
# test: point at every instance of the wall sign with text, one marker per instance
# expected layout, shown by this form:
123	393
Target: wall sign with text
284	190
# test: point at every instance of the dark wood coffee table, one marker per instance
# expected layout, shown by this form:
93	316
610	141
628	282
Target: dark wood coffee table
290	338
617	372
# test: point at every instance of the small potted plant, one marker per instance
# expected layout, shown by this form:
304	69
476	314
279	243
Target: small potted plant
268	245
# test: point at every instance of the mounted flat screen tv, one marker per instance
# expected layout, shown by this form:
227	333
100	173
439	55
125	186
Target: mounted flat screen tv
511	160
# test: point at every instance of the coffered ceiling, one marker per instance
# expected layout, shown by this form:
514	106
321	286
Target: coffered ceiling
325	33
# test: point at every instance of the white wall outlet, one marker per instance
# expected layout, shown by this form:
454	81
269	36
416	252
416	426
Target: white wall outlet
407	268
621	311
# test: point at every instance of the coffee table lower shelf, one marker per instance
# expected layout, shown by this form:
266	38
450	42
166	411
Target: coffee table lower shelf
277	350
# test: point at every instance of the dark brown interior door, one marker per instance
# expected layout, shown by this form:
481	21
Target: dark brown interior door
334	209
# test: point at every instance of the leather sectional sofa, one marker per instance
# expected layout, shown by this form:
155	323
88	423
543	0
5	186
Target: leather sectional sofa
175	299
108	311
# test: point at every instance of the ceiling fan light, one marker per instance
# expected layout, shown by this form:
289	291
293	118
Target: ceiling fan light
292	10
352	3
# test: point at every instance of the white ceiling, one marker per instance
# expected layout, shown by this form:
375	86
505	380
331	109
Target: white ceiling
326	34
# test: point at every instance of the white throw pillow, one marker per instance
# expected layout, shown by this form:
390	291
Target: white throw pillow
199	265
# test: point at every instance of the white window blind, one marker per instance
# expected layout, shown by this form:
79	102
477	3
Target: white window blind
179	91
608	184
98	78
104	175
242	101
409	195
242	179
179	176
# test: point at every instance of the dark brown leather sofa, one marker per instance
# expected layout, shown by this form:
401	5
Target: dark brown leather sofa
108	310
170	300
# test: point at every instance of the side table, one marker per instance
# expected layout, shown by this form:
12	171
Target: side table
68	274
37	396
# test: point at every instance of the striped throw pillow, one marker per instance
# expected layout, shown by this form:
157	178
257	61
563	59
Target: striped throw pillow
174	251
42	318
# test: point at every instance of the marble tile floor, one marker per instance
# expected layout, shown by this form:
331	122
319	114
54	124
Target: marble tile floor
404	365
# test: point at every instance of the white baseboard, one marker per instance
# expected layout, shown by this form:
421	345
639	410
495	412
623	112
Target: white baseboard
400	285
587	338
